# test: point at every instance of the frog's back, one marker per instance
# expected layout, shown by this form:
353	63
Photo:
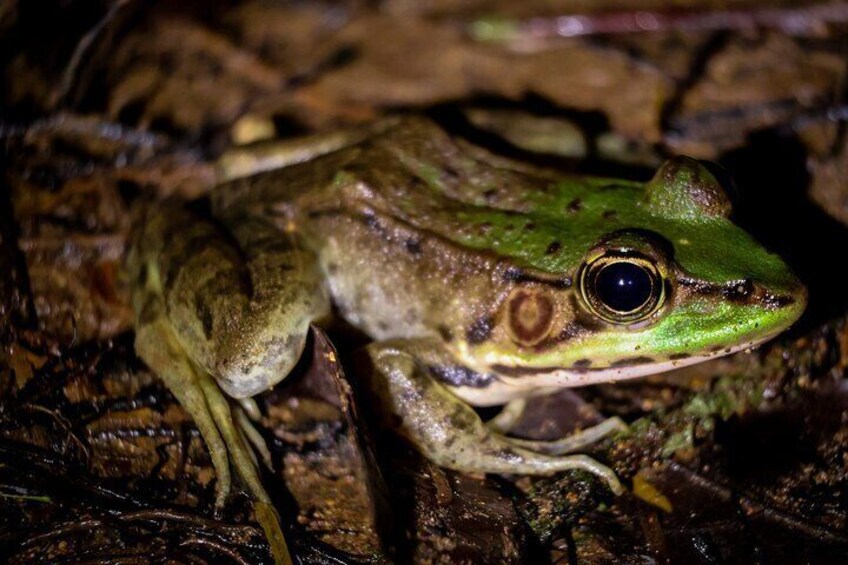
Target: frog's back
419	233
413	172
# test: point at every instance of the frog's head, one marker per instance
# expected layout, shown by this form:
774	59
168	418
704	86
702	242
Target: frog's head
657	277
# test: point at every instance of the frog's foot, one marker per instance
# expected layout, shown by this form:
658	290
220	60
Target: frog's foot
511	414
234	308
574	442
448	431
222	427
236	430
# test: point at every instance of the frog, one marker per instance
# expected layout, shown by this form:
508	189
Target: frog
479	279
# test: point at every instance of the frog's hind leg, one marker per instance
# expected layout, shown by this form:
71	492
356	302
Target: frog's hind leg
265	156
285	295
239	301
448	431
202	399
512	412
199	315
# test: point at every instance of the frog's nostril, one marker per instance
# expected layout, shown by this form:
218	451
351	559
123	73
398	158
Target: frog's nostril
767	294
741	291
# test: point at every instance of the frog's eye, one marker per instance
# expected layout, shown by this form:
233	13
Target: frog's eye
622	289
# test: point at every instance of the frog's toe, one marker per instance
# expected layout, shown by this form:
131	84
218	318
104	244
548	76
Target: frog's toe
586	463
509	415
575	441
252	436
250	408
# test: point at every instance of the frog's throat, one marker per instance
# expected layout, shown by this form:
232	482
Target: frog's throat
510	383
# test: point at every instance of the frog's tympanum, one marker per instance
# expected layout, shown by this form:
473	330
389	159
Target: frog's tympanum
481	281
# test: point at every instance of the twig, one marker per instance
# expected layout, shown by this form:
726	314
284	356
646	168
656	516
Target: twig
208	543
162	514
82	49
64	528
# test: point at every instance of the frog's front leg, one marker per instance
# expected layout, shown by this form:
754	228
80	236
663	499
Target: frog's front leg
447	430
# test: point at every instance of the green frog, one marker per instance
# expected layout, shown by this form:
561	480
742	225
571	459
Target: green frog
482	281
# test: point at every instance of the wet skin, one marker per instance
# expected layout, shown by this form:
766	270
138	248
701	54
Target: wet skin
481	281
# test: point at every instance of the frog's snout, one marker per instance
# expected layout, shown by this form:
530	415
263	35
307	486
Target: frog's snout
797	298
781	305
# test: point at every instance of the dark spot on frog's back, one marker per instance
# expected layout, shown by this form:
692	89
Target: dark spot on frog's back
413	246
324	213
457	375
480	330
449	174
609	215
204	314
373	223
445	333
553	248
575	205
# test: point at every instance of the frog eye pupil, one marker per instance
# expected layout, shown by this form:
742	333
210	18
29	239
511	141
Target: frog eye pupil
623	287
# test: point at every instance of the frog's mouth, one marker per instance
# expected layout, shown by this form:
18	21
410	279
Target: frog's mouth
507	382
627	368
